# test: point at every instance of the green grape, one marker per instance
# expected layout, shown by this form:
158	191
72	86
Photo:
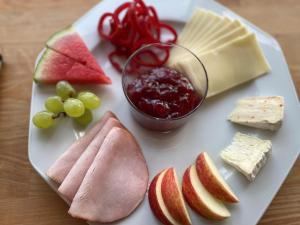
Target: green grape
85	119
65	90
54	104
43	119
74	107
89	99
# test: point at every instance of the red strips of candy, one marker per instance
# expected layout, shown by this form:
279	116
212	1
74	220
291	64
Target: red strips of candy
131	26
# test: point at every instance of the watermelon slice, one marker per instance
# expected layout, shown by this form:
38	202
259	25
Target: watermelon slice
54	67
69	43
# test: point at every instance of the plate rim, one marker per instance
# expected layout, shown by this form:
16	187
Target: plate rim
197	2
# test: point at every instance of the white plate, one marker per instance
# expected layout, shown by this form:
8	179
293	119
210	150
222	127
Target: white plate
207	130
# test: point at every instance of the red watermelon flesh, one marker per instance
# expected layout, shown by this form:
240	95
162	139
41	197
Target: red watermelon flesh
54	67
69	43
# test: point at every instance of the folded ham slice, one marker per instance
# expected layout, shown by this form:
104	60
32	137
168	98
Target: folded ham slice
73	180
116	182
61	167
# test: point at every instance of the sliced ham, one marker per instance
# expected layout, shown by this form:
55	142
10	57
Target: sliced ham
61	167
72	182
115	183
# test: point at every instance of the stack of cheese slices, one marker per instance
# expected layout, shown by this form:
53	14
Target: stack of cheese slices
230	53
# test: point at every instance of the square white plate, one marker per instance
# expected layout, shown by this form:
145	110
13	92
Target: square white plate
207	130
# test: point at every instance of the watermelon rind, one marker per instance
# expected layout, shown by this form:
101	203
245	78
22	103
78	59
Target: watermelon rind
39	68
59	34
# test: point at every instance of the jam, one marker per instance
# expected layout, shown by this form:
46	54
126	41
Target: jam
163	93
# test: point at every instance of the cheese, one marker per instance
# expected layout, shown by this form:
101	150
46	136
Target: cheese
222	31
260	112
198	20
192	28
247	154
223	22
193	70
199	23
204	20
222	40
212	21
229	65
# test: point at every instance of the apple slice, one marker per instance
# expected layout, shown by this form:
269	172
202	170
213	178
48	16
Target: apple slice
212	180
173	198
158	207
169	206
200	199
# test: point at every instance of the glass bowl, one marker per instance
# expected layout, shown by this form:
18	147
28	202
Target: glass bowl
186	62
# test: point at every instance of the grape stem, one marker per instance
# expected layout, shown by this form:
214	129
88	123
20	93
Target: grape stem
58	115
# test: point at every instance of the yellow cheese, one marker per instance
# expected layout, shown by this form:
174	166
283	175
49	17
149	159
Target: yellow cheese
227	29
197	20
192	28
193	33
212	20
230	65
195	73
234	34
199	23
218	26
222	31
228	37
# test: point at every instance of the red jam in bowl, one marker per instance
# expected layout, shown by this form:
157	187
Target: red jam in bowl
163	93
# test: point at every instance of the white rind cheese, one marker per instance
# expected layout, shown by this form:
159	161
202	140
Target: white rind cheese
247	154
259	111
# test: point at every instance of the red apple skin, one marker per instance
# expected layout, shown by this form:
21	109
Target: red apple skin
153	202
172	197
193	200
210	182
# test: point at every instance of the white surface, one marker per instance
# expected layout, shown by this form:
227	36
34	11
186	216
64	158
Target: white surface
208	130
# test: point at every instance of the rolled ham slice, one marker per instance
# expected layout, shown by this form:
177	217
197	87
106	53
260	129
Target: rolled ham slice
73	180
116	182
61	167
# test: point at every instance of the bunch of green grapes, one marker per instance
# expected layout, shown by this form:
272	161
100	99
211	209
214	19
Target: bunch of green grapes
67	102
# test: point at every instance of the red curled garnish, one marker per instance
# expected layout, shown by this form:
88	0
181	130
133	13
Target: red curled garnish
131	26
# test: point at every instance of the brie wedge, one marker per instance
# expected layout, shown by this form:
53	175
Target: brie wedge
260	112
247	154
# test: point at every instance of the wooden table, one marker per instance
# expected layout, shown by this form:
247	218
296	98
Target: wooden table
25	199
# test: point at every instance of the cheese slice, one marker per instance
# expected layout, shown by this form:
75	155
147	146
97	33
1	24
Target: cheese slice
222	31
222	40
198	45
212	21
229	65
205	21
259	111
237	33
198	25
224	22
247	154
192	28
195	73
198	19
